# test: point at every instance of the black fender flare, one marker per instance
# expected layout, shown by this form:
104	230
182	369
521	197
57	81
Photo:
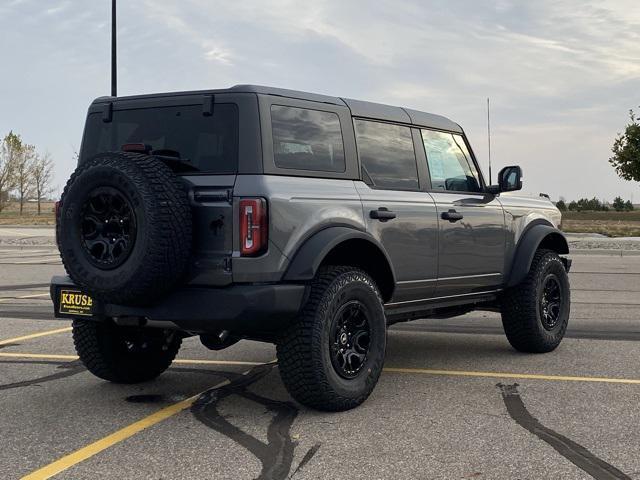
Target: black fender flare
531	239
313	251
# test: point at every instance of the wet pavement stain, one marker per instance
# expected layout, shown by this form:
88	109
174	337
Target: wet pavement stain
67	370
575	453
276	455
145	398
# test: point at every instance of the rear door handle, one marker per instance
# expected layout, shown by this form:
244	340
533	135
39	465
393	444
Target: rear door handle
383	214
452	216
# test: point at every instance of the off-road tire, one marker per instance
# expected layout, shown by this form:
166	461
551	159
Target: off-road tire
522	311
303	350
102	348
161	248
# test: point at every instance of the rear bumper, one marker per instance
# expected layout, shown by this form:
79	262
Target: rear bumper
239	308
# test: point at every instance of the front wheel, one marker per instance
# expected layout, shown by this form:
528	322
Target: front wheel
535	313
331	357
124	354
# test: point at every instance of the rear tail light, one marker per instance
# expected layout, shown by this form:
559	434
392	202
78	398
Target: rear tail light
254	226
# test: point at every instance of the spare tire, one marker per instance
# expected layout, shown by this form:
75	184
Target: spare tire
124	229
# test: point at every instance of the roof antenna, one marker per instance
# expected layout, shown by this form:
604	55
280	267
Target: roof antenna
114	71
488	136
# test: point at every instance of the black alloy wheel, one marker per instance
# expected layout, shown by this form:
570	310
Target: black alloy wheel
108	227
349	339
550	302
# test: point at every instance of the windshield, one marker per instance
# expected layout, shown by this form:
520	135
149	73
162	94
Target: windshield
208	143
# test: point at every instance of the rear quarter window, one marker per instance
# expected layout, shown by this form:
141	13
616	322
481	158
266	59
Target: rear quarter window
305	139
209	143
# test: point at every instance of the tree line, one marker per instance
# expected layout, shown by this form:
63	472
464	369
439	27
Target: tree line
595	205
25	173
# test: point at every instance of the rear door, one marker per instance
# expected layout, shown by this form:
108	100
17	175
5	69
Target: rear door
398	212
471	222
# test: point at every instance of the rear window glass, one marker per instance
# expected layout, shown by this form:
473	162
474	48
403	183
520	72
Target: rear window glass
387	156
209	143
305	139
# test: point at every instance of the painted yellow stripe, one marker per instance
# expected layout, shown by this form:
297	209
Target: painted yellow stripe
36	295
94	448
98	446
423	371
180	361
35	335
186	361
526	376
38	356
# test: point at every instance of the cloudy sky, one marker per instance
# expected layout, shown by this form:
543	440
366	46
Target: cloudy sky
561	74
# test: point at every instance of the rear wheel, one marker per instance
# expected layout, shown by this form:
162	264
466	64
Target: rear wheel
124	354
332	357
535	313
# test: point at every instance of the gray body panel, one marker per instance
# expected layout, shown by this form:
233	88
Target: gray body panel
298	208
433	263
410	239
471	253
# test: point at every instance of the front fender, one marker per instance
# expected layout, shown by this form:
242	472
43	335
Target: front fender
535	236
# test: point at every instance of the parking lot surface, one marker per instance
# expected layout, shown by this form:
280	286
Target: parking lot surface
454	402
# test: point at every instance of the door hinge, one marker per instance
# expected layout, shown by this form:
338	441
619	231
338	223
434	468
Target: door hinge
227	264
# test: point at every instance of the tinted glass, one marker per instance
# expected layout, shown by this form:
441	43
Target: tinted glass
209	143
386	155
305	139
450	164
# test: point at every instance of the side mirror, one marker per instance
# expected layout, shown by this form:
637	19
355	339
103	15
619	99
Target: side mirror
509	180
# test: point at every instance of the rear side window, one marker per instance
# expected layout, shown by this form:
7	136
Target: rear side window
387	156
208	143
305	139
450	164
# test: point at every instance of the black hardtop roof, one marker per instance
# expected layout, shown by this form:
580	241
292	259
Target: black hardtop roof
359	108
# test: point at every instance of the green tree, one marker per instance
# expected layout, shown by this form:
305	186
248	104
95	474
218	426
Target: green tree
618	204
562	206
628	206
11	149
626	151
573	206
24	174
42	176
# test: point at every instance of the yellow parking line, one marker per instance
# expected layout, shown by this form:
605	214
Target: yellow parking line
186	361
526	376
35	295
423	371
180	361
35	335
98	446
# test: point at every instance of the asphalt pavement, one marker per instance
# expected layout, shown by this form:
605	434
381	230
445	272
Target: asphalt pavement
454	402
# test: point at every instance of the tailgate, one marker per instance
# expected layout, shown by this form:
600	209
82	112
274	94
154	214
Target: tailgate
212	206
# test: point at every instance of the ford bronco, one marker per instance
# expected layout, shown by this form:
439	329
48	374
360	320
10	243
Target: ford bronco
309	221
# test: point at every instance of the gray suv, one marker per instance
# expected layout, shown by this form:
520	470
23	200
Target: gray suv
309	221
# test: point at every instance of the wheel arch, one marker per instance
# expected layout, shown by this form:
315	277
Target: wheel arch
343	246
536	236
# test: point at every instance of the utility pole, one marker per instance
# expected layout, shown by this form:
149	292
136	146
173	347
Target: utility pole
488	136
114	71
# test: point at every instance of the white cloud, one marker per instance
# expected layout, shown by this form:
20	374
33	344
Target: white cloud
561	74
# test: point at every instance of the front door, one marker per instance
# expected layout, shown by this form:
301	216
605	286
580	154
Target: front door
471	222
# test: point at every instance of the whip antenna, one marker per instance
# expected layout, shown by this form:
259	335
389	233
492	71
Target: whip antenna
488	137
114	71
